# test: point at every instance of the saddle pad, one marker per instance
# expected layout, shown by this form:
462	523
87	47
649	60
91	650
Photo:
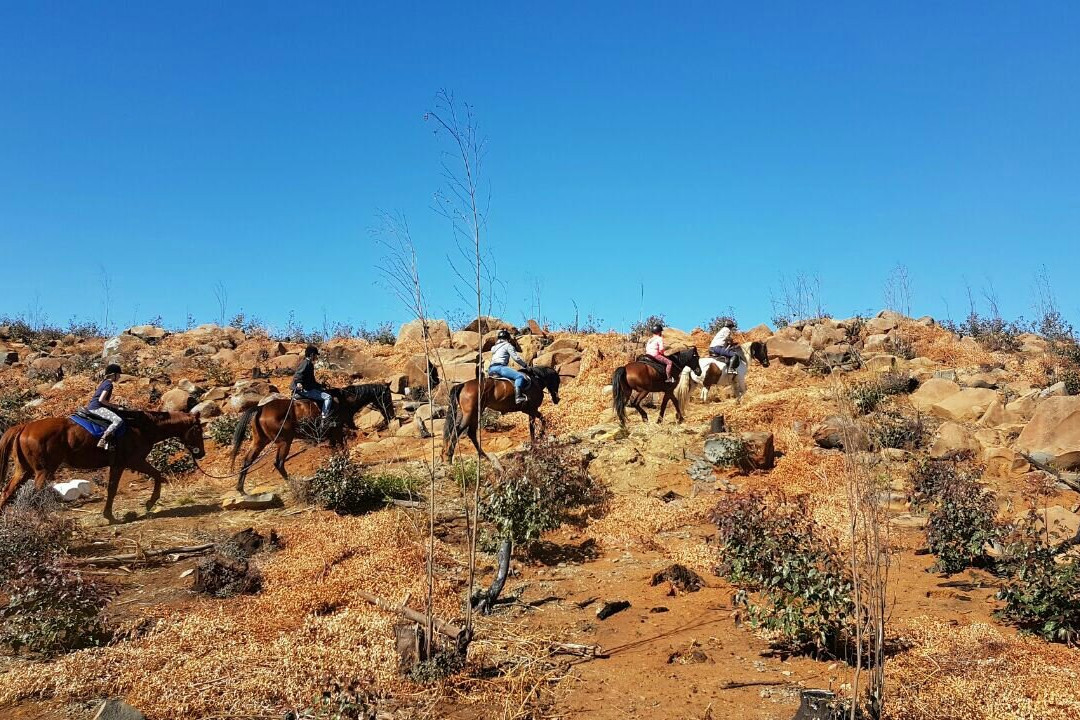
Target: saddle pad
648	360
93	428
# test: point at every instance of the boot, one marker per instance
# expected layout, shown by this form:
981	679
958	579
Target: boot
103	443
733	364
670	380
520	399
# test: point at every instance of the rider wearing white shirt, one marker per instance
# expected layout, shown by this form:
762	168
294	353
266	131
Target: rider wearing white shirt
721	345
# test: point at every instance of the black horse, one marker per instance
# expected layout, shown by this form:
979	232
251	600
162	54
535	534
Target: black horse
633	382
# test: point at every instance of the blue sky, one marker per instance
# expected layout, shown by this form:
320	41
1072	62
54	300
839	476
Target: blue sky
701	149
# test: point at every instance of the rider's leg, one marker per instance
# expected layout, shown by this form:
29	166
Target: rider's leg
728	354
667	366
509	373
114	421
327	403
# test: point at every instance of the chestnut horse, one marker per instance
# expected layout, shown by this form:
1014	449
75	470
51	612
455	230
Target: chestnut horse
42	446
279	421
643	378
462	416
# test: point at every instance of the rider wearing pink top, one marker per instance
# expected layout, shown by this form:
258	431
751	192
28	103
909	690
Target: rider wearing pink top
655	349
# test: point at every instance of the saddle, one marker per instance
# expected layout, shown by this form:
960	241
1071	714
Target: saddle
730	364
526	386
654	363
93	424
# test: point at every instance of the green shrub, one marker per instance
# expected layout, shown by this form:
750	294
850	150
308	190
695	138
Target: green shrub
714	325
867	396
994	333
539	490
1042	592
791	577
216	373
1071	377
930	477
340	484
171	457
221	429
728	451
961	523
51	608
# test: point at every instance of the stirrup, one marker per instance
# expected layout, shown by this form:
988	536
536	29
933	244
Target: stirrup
521	399
103	443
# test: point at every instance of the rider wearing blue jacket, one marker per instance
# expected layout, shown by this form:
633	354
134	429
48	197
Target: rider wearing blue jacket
501	353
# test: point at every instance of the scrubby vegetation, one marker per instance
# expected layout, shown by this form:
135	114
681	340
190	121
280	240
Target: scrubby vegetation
48	606
341	484
13	410
790	575
1042	590
962	512
171	457
865	397
221	429
891	428
642	329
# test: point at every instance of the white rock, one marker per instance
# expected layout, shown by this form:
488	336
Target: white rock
73	489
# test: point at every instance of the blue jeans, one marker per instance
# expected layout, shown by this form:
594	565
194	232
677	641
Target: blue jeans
319	396
718	351
505	371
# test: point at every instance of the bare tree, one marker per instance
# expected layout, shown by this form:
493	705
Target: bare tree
401	272
106	298
870	560
897	291
221	294
461	202
800	300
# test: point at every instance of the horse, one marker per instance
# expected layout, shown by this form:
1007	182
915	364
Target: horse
280	419
42	446
462	416
714	370
643	378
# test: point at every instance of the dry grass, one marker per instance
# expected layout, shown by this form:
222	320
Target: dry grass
978	672
279	649
637	521
940	345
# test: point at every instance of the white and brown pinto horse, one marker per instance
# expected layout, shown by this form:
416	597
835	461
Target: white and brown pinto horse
713	371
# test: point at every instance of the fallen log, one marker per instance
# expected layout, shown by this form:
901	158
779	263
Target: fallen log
459	635
146	555
592	651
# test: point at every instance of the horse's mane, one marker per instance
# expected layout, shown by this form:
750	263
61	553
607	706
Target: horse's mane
361	392
541	373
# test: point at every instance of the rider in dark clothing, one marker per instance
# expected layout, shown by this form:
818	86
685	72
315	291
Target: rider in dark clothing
304	384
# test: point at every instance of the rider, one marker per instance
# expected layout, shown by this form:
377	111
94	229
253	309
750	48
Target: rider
721	345
501	353
97	406
655	349
304	384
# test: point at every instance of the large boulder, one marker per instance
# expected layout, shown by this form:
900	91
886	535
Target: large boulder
149	333
122	346
246	394
932	392
954	440
47	368
466	339
413	332
283	364
968	405
821	336
789	352
836	430
531	345
207	409
486	324
1004	462
1053	435
882	324
878	342
175	400
214	336
449	356
557	358
459	372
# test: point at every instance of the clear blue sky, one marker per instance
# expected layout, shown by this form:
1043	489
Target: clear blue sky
705	149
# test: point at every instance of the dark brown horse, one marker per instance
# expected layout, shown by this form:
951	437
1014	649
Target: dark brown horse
633	382
280	421
42	446
462	416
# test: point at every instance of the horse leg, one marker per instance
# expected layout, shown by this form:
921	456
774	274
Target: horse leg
260	442
663	406
282	455
678	410
143	466
115	471
635	402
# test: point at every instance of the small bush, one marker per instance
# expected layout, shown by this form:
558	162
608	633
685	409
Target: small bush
930	477
221	429
1071	377
539	490
994	333
1042	593
728	451
31	529
791	577
52	608
962	522
340	484
171	457
381	334
893	429
641	330
866	396
216	373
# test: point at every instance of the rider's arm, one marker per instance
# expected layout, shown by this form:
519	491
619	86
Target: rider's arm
106	393
518	359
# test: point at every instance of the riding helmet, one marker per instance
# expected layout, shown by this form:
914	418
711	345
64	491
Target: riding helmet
729	323
113	369
503	335
311	351
658	329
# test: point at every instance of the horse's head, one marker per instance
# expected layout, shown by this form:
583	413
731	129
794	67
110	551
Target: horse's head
193	437
549	379
687	358
760	352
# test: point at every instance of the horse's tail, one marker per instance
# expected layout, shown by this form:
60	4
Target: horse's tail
450	425
682	390
7	443
241	432
620	393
